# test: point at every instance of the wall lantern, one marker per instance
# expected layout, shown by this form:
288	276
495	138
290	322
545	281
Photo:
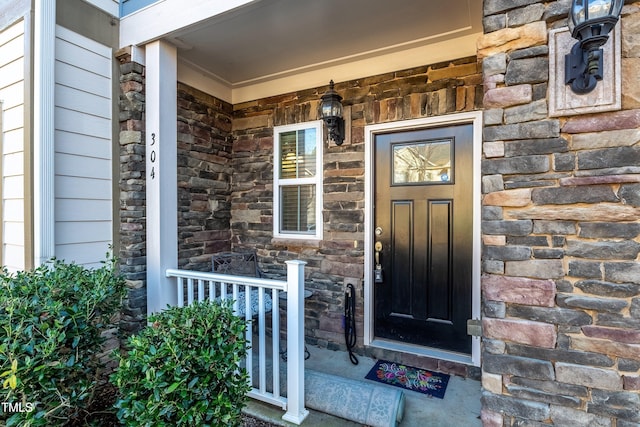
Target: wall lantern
330	110
590	23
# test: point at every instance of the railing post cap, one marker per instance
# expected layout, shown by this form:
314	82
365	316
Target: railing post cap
296	262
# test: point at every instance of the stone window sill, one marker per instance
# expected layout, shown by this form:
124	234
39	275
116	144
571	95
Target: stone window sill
300	243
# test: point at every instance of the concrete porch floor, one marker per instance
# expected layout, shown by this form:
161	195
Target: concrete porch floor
460	406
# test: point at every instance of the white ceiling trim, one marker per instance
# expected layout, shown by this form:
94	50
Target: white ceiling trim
167	16
320	74
383	51
201	79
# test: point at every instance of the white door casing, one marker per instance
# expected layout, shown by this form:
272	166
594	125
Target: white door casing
475	118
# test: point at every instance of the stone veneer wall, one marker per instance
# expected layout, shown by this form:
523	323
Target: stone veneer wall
132	187
561	237
207	168
204	178
204	185
426	91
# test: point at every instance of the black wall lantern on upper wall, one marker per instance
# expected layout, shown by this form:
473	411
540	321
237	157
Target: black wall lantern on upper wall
330	110
590	22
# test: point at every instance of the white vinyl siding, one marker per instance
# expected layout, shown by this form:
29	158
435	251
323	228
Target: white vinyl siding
12	87
83	135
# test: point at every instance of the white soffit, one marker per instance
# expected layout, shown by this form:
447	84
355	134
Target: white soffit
112	7
242	50
429	54
167	16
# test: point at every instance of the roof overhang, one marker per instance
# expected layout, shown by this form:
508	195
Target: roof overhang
241	50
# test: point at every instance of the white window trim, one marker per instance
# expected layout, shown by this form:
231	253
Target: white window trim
317	180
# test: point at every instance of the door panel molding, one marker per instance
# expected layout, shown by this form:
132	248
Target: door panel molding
474	118
439	236
402	219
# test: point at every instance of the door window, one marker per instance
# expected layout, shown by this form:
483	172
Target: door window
423	162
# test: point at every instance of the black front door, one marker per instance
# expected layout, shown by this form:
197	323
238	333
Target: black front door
423	226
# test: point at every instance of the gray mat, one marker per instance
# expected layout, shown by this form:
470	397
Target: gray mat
366	403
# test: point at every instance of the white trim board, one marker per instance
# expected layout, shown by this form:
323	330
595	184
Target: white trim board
316	180
475	118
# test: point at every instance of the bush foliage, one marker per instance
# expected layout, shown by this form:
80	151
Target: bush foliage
183	370
52	321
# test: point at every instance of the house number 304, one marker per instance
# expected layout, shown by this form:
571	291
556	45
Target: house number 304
152	156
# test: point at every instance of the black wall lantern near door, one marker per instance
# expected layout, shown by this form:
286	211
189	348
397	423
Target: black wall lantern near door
330	110
590	22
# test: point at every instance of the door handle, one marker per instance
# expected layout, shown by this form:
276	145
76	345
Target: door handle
378	248
377	272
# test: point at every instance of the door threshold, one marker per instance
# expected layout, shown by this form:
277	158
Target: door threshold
417	350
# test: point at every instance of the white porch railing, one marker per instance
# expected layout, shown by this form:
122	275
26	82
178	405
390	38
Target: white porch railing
200	286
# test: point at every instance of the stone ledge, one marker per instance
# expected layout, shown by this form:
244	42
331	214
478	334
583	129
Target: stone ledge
510	39
521	331
626	119
609	212
628	351
596	180
519	290
298	243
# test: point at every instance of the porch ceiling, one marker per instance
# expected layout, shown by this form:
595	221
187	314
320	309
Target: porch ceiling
267	40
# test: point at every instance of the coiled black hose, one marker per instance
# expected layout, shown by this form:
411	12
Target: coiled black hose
350	321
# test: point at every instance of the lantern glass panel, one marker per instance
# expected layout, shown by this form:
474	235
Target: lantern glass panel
325	111
577	13
336	108
599	9
331	108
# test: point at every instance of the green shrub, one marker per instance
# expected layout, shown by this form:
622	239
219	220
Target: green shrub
52	320
183	369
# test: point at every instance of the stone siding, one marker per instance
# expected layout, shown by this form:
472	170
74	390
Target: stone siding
339	257
204	178
561	282
132	187
204	185
225	190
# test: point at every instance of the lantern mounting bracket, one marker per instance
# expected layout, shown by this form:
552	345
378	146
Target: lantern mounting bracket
590	22
583	69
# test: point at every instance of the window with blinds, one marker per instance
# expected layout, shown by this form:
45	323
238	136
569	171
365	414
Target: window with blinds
298	180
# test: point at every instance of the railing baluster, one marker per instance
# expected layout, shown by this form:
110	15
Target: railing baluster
275	340
180	283
189	291
262	342
223	287
200	290
249	333
236	306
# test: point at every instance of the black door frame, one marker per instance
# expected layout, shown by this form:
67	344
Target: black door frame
474	118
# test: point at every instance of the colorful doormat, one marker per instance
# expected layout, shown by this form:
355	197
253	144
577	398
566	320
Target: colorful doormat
410	378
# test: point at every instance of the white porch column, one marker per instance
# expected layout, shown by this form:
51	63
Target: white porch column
296	411
161	173
44	131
